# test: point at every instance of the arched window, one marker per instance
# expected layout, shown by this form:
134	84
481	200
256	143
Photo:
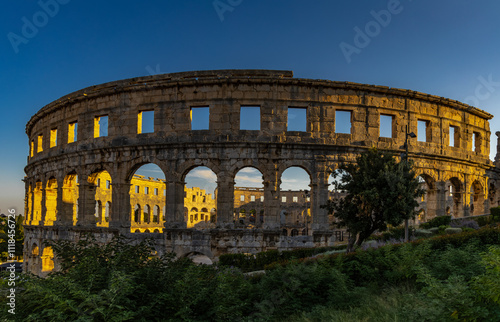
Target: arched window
147	214
137	214
156	214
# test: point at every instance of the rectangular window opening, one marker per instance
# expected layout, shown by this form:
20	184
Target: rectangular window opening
454	136
297	119
156	191
252	198
39	147
53	138
250	118
108	184
136	189
32	148
146	190
242	198
261	198
343	122
200	118
476	142
100	126
422	130
295	199
72	132
145	122
386	122
283	199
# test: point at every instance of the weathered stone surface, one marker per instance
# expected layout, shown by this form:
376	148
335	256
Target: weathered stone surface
59	208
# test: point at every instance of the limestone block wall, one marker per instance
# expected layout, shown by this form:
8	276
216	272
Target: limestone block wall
99	129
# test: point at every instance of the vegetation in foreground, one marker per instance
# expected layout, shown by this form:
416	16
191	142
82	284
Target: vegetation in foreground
446	278
380	191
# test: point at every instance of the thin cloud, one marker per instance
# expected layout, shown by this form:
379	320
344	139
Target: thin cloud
206	174
250	170
246	180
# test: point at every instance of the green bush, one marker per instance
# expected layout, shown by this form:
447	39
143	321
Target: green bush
448	277
451	230
298	287
423	233
436	222
434	230
259	261
482	221
495	213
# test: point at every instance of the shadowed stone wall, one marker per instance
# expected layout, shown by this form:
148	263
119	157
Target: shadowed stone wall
97	129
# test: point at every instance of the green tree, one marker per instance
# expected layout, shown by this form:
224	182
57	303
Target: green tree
379	191
4	237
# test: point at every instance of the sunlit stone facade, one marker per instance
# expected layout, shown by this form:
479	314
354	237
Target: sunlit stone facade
99	132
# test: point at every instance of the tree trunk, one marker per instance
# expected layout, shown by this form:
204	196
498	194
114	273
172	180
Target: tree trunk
350	243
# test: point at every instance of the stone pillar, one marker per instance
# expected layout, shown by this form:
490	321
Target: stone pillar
64	211
86	203
319	197
271	201
432	204
64	207
225	200
119	216
26	200
497	156
174	218
466	198
440	198
44	205
32	204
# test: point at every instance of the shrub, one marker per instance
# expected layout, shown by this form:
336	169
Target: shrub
482	221
437	222
299	287
434	230
451	230
259	261
464	223
495	213
424	233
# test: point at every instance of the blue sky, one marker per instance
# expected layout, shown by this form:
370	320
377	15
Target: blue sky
448	48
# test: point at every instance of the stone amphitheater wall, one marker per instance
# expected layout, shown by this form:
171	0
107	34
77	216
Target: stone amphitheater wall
107	137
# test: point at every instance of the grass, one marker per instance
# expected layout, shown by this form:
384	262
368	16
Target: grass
390	305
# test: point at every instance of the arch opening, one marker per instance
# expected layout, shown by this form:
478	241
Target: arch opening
50	202
70	195
200	190
103	194
148	192
47	259
454	197
477	198
295	199
248	198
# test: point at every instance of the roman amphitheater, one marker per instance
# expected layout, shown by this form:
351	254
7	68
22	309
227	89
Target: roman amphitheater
86	147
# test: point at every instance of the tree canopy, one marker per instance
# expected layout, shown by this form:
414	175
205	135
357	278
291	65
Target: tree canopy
379	191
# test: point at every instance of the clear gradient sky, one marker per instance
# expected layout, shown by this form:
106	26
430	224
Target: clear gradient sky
50	48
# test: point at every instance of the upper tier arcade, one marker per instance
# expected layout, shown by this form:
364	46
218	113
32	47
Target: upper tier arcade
227	120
